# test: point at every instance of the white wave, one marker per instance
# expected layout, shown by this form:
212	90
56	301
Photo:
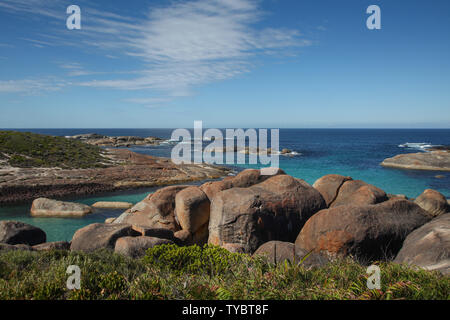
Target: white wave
423	146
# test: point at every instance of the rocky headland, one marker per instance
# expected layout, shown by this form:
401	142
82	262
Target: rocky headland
121	141
126	170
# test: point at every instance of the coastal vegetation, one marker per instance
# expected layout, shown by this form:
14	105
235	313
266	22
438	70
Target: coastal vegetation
31	150
208	272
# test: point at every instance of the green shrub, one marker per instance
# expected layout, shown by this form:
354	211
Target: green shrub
27	149
210	260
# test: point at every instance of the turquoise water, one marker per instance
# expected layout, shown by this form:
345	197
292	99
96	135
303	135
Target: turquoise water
59	229
352	152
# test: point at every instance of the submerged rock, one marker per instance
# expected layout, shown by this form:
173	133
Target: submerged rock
43	207
112	205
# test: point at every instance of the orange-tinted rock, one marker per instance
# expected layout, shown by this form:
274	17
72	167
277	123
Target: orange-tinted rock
329	186
243	179
357	193
155	211
369	232
274	209
192	209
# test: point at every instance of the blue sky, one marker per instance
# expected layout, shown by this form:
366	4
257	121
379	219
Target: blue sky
230	63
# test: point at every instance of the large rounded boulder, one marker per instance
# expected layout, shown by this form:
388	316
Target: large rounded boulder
100	236
369	232
15	232
433	201
329	186
243	179
274	209
136	247
192	212
428	247
278	252
358	193
155	211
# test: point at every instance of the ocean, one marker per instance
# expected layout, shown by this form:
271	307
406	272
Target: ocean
351	152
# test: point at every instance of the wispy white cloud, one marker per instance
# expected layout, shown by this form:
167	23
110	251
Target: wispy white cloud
150	102
181	45
187	44
49	9
32	86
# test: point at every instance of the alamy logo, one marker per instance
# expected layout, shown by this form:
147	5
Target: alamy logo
74	20
374	279
374	20
190	150
74	281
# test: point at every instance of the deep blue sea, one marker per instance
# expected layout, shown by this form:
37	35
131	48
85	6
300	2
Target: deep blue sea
352	152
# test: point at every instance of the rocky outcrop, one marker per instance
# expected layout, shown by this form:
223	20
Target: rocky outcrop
369	232
99	236
110	220
155	232
184	238
329	186
126	170
15	232
11	247
121	141
278	252
187	208
136	247
43	207
433	201
438	160
157	210
47	246
428	246
112	205
274	209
